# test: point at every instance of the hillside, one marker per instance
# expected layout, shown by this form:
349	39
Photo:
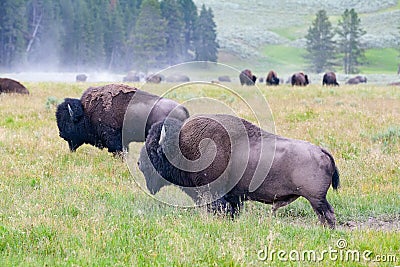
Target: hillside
247	28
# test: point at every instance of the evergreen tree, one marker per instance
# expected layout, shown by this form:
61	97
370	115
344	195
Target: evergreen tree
189	11
13	33
114	37
150	38
174	31
350	32
206	45
320	44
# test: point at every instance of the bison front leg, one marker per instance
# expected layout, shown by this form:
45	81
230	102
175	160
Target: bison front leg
324	211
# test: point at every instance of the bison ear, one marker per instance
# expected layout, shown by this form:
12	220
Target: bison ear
162	135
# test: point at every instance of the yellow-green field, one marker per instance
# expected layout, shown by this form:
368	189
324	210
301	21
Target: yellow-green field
84	209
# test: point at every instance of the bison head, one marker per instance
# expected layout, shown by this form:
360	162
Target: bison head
70	122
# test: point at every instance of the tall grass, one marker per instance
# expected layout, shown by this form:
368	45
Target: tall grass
84	209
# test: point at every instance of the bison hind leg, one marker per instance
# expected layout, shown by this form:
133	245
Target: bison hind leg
324	211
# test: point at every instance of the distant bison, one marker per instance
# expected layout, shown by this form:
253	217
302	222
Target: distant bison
98	117
272	78
297	168
300	79
177	78
12	86
154	78
81	77
356	80
247	78
133	76
224	78
329	79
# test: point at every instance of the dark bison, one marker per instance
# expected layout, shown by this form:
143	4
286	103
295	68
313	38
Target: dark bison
247	78
81	77
300	79
133	76
12	86
224	78
154	78
241	170
177	78
356	80
329	79
98	117
272	78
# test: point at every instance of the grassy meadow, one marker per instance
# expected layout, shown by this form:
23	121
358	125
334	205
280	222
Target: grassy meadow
85	209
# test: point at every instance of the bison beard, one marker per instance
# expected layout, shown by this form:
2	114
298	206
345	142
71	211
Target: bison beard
298	168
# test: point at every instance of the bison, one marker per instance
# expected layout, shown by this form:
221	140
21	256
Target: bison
247	78
177	78
272	78
356	80
300	79
329	79
256	165
224	78
98	117
81	77
12	86
154	78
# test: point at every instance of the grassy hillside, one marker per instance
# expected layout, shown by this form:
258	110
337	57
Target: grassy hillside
247	28
85	209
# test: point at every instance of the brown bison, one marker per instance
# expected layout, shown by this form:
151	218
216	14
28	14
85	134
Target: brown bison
272	78
81	77
154	78
247	78
98	117
356	80
177	78
224	78
300	79
248	163
329	79
12	86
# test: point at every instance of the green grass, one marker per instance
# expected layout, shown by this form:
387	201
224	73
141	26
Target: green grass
85	209
381	61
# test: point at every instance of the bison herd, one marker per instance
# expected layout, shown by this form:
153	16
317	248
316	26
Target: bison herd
248	164
113	115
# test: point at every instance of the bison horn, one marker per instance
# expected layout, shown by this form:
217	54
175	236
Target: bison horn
71	113
162	136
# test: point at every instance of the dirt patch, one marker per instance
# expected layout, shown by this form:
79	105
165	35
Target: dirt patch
386	224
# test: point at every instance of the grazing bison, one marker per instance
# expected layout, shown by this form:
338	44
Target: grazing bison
238	168
356	80
81	77
224	78
272	78
154	78
12	86
329	79
300	79
177	78
247	78
98	117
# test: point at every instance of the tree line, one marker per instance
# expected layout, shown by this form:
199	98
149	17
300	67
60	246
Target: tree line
328	47
116	35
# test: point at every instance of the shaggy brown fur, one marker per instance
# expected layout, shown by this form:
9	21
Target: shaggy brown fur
12	86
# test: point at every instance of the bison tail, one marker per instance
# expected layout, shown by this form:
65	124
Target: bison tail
335	179
335	175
